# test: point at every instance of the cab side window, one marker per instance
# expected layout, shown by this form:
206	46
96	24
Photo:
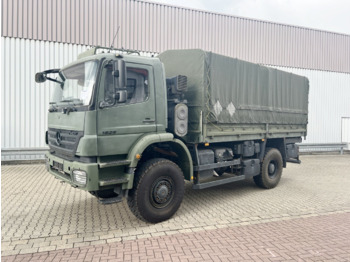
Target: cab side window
136	85
109	84
137	90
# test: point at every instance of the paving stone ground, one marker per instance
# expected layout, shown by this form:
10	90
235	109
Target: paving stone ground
39	214
320	238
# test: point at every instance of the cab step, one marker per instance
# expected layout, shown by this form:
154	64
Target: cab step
112	200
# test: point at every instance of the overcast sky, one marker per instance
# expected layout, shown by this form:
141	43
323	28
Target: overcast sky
329	15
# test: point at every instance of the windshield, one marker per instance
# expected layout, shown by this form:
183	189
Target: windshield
77	84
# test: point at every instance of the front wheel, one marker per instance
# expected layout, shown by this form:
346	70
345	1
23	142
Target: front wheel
158	190
271	170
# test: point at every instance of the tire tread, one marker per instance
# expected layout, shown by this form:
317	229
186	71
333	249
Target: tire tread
260	180
140	175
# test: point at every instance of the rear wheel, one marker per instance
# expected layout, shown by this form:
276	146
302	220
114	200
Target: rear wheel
158	190
271	170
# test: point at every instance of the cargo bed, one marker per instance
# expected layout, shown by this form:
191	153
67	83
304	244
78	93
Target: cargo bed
234	100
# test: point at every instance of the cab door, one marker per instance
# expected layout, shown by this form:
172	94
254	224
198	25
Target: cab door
133	113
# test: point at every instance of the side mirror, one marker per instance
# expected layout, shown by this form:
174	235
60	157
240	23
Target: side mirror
119	72
121	96
40	77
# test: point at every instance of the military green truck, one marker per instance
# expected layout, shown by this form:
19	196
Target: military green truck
123	125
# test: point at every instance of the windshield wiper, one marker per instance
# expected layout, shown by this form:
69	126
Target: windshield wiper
69	109
74	101
52	108
65	110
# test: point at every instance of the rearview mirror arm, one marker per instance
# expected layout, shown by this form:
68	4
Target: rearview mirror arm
54	80
52	71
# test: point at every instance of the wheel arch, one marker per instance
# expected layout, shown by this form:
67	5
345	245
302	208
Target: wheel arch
182	155
184	158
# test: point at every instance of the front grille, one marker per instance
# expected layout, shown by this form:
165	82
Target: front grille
64	141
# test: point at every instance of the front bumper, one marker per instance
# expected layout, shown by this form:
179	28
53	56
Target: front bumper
63	170
99	176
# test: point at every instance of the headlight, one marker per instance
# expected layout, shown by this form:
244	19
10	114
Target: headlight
79	177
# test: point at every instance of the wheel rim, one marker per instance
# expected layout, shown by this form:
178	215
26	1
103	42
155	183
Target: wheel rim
272	169
162	192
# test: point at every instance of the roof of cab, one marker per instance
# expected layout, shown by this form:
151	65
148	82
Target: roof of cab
133	58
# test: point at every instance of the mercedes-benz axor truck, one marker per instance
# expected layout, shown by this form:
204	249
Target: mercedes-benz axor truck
121	125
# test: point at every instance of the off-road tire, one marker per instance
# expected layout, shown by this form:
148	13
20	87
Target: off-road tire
158	190
268	178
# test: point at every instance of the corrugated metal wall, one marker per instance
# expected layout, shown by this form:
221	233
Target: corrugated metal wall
24	103
156	27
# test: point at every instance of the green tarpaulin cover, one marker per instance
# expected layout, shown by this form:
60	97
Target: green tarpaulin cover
228	90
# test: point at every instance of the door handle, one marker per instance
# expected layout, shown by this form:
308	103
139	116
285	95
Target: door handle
148	120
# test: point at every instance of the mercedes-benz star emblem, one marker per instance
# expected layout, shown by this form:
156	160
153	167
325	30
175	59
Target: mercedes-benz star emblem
58	138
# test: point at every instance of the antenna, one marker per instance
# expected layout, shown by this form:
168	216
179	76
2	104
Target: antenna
114	39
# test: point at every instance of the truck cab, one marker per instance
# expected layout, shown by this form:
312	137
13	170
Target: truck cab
101	105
